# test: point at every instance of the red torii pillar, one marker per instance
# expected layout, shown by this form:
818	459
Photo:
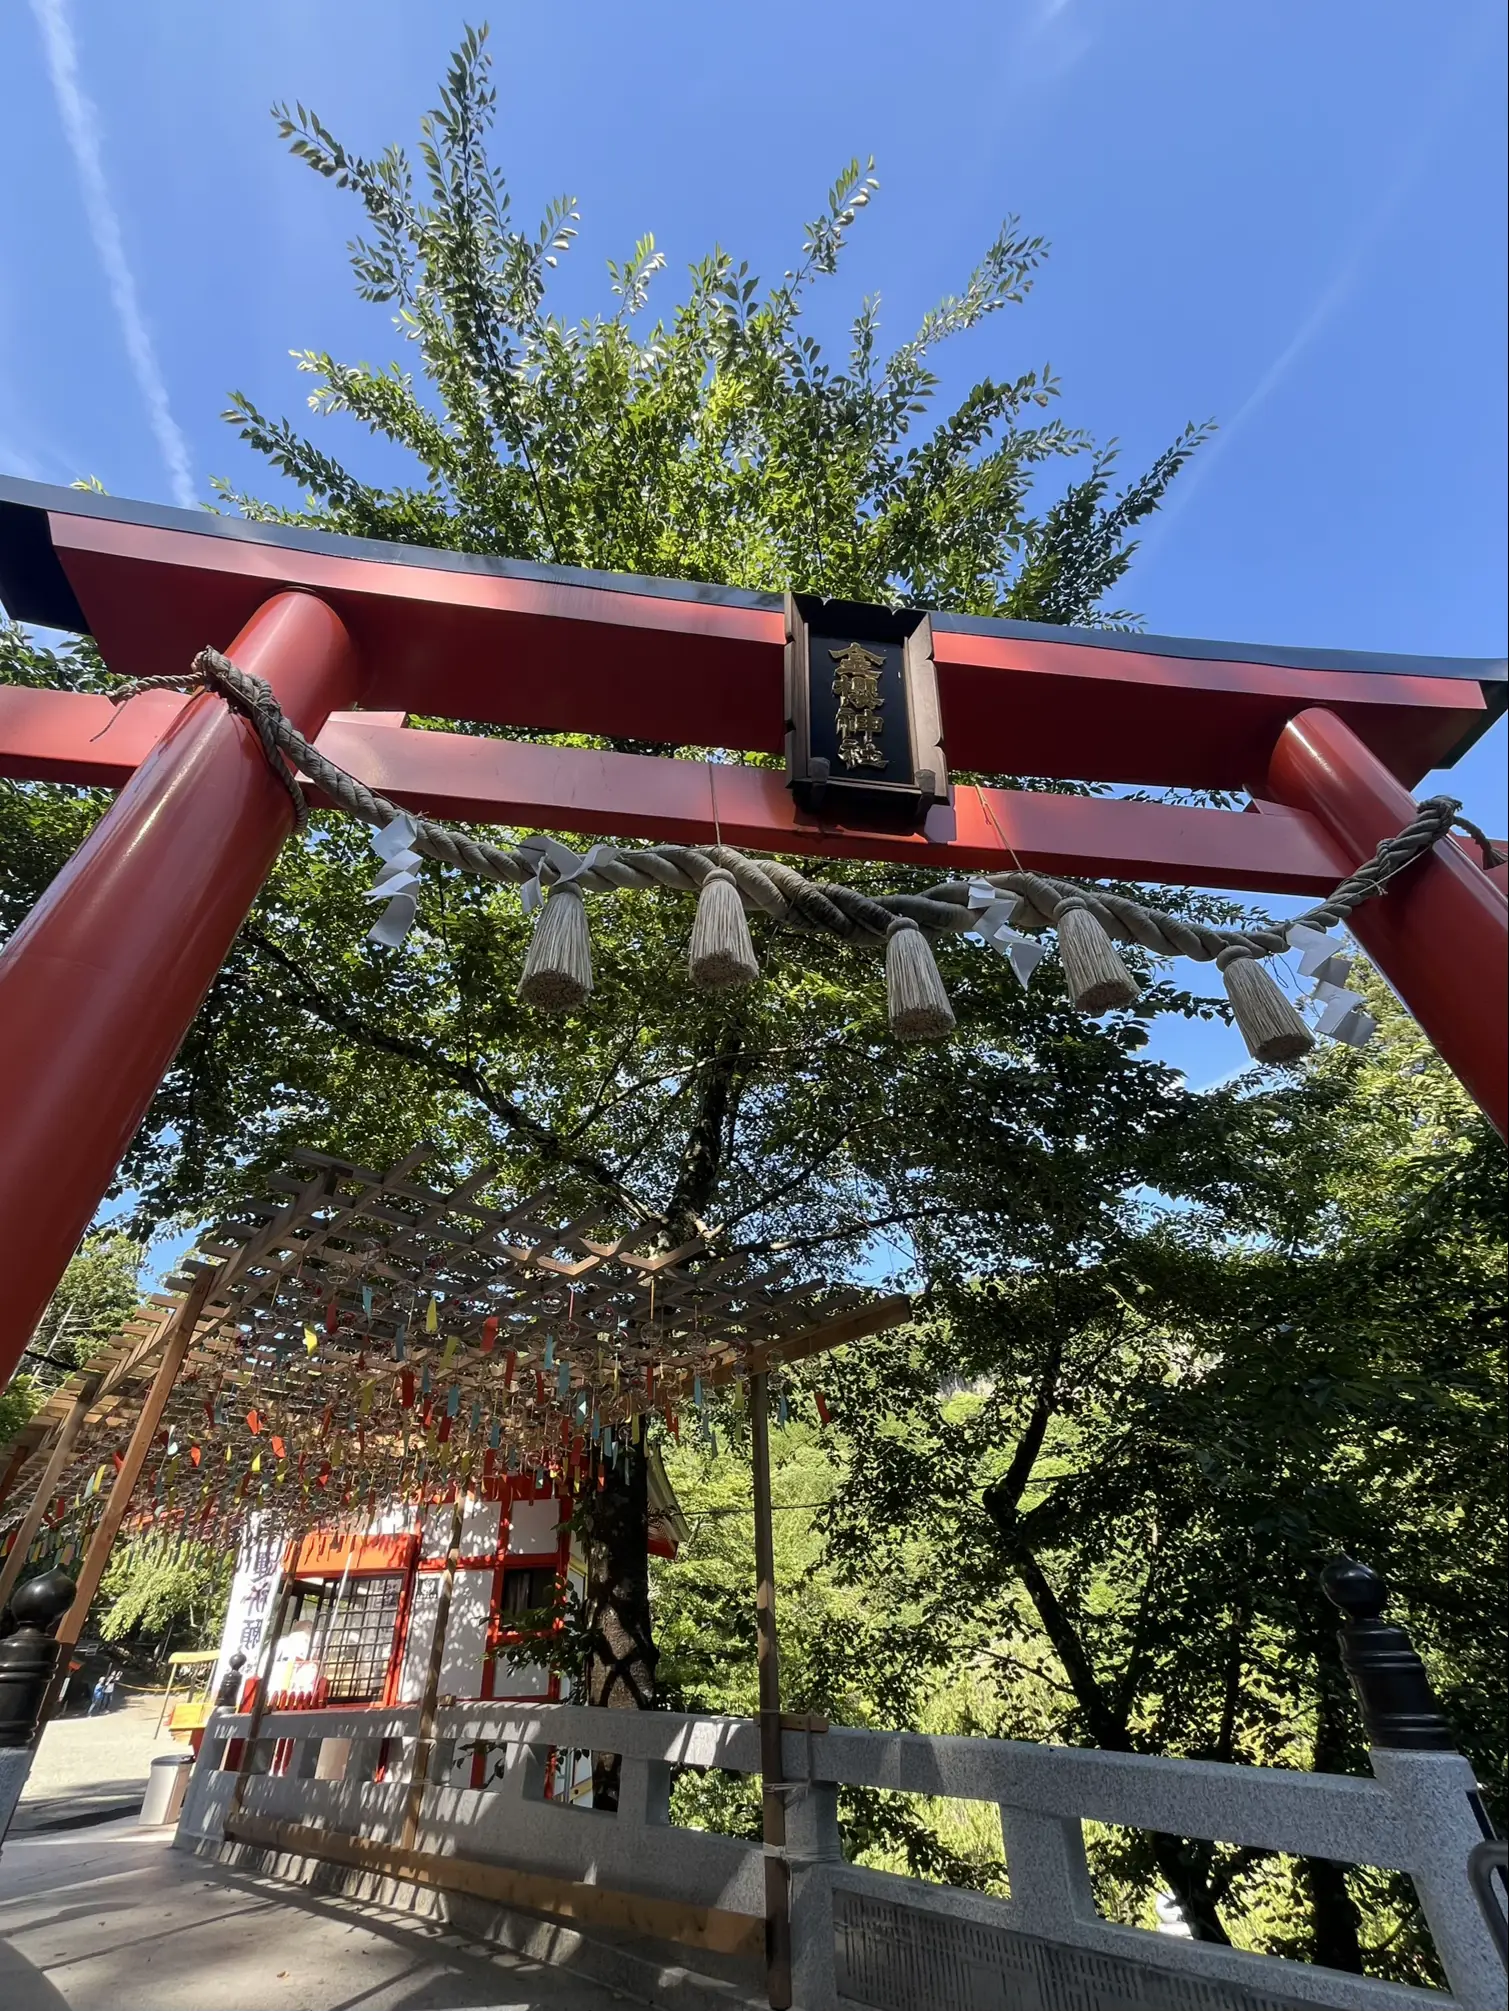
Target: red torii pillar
1441	934
101	982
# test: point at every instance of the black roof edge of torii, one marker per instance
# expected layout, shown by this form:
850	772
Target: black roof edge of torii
34	588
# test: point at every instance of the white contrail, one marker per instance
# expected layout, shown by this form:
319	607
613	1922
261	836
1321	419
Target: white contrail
81	124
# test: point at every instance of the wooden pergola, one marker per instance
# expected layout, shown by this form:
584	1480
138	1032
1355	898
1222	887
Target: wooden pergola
409	1330
359	1334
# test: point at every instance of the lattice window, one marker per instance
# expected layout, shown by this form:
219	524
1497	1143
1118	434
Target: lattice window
351	1634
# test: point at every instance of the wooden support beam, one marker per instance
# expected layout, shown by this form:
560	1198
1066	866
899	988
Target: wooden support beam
267	1657
19	1456
109	1368
856	1324
72	736
31	1522
768	1657
176	1344
424	1746
710	1927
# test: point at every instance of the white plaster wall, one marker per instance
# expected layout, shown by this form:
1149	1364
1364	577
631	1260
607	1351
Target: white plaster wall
533	1527
466	1634
416	1653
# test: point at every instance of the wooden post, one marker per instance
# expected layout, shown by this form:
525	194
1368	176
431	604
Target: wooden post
425	1739
1440	934
176	1345
31	1522
13	1468
767	1650
267	1656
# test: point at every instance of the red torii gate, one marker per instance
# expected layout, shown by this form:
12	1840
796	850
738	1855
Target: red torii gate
99	985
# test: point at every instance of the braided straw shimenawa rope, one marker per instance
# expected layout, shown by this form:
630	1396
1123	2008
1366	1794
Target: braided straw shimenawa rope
899	922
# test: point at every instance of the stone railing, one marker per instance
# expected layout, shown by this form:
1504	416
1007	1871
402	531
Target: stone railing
337	1788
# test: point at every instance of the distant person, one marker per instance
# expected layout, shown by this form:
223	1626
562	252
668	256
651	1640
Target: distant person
102	1697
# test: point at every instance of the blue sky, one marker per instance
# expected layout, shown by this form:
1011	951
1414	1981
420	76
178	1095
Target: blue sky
1285	216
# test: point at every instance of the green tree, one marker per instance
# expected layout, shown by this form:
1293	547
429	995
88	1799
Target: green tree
96	1292
717	443
100	1287
1071	1313
1137	1449
161	1589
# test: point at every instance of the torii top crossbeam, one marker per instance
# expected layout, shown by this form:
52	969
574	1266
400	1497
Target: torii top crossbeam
99	986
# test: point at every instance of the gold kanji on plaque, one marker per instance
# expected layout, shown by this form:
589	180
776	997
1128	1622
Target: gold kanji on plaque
856	686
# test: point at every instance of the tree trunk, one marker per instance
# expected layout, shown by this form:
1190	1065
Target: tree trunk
1334	1919
620	1669
620	1672
1183	1864
1333	1916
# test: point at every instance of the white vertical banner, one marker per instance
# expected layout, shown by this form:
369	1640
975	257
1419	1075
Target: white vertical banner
259	1565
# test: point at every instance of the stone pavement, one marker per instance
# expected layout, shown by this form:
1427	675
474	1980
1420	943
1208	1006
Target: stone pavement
88	1767
110	1918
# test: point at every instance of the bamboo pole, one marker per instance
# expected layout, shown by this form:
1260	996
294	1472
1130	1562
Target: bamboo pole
767	1650
31	1522
176	1345
425	1740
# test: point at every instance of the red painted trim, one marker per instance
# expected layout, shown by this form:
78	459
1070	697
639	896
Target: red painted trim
155	596
1069	709
559	656
322	1554
102	980
394	1674
53	736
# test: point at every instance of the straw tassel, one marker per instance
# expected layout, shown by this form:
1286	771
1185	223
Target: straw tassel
916	1002
1097	978
722	954
558	969
1269	1024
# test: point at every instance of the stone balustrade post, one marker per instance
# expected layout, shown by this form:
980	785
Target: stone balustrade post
1412	1749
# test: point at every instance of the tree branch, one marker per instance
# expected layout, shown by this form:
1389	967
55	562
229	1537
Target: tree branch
464	1075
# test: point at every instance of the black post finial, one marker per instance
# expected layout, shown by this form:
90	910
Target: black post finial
29	1656
1398	1705
229	1692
